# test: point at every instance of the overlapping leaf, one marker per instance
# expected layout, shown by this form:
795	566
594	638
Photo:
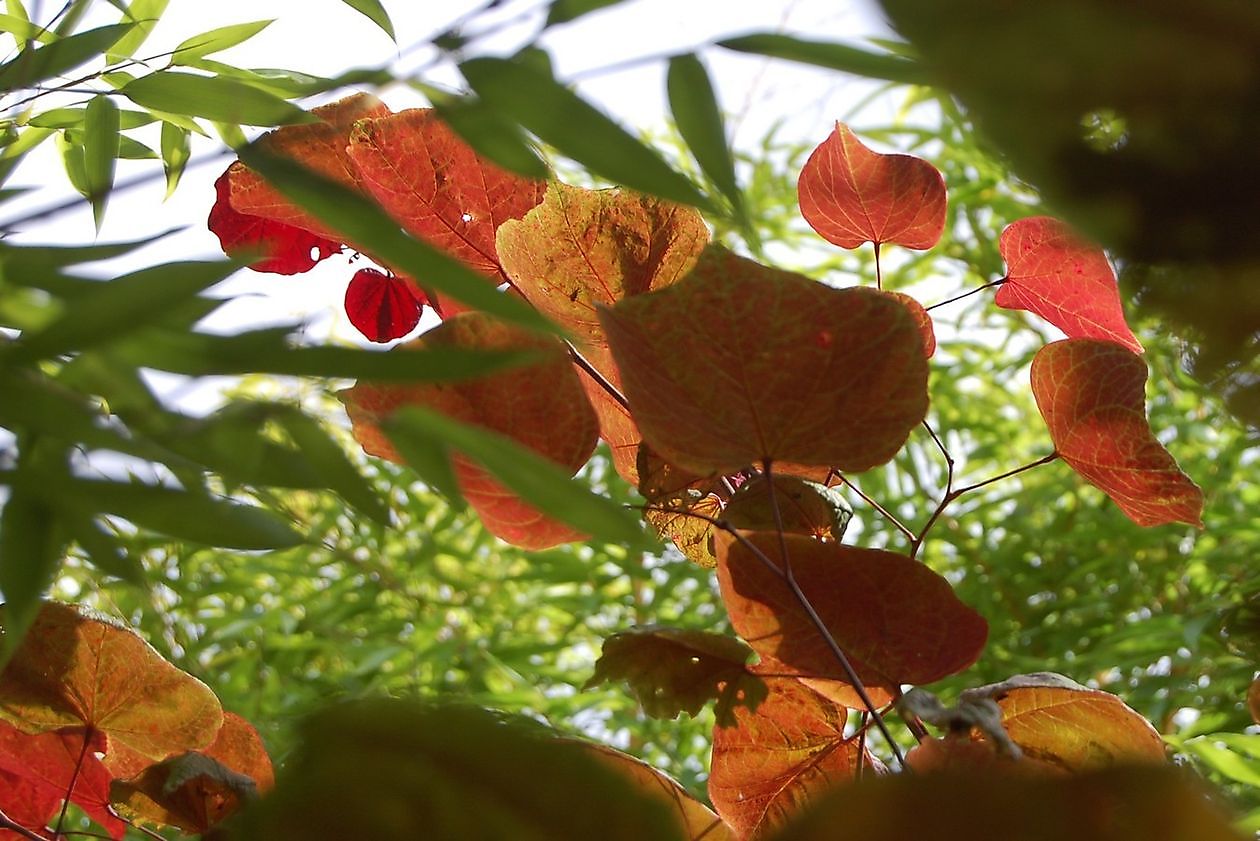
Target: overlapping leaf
803	507
540	405
1091	395
48	762
1059	722
769	764
740	363
897	621
438	188
616	426
286	249
77	669
25	803
674	670
1065	280
851	195
686	518
922	318
382	307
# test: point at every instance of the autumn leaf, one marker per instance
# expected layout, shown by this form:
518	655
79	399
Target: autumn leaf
78	668
198	790
50	760
675	670
696	821
896	620
851	195
540	405
960	755
923	319
583	248
804	507
616	426
1117	804
26	803
1050	271
686	518
1091	394
438	188
740	363
769	764
286	249
382	307
1059	722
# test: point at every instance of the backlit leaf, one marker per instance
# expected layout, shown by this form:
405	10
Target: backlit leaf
213	97
896	620
922	318
78	668
438	189
616	426
375	12
563	11
145	14
686	518
1065	280
1059	722
285	249
769	764
53	59
582	248
804	507
1091	394
694	107
49	761
796	371
382	307
675	670
200	46
26	803
851	195
100	152
30	553
540	405
176	150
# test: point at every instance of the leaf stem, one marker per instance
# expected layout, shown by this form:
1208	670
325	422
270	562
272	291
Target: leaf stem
945	498
879	278
997	282
74	778
884	512
11	825
600	380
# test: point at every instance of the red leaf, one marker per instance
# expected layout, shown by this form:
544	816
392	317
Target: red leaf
288	250
382	307
923	319
772	762
897	621
741	362
27	804
1066	281
49	761
438	188
851	195
1091	394
540	405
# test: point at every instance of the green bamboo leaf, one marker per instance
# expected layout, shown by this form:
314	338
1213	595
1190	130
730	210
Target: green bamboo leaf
214	40
100	152
101	547
29	555
214	98
566	121
695	109
145	15
329	460
73	118
535	479
23	30
428	455
500	140
364	223
120	306
74	162
375	12
831	55
27	264
176	150
563	11
53	59
180	514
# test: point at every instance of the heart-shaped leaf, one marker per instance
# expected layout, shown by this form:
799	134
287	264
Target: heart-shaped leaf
48	762
382	307
1091	394
851	195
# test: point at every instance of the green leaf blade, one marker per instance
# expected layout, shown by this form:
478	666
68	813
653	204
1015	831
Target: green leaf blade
215	40
699	119
214	98
375	12
100	153
57	57
833	56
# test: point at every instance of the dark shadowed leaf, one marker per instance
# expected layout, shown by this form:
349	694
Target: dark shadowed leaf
32	67
563	11
833	56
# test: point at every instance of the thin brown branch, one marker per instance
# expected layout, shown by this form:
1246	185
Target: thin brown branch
600	380
887	515
946	497
8	823
997	282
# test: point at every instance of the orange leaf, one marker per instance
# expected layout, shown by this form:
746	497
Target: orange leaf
438	188
923	319
582	248
1091	395
962	755
695	820
896	620
1068	282
540	405
1118	804
686	518
49	761
78	668
196	791
616	426
741	362
1059	722
769	764
851	195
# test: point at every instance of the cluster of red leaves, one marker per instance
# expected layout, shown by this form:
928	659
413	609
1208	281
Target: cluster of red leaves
90	713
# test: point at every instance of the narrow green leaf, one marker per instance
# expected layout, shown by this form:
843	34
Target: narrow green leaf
73	161
176	150
73	118
23	30
563	11
375	12
145	15
428	455
330	461
120	306
535	479
577	129
500	140
26	264
100	153
362	222
831	55
214	98
34	66
29	555
207	43
182	515
695	109
102	547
